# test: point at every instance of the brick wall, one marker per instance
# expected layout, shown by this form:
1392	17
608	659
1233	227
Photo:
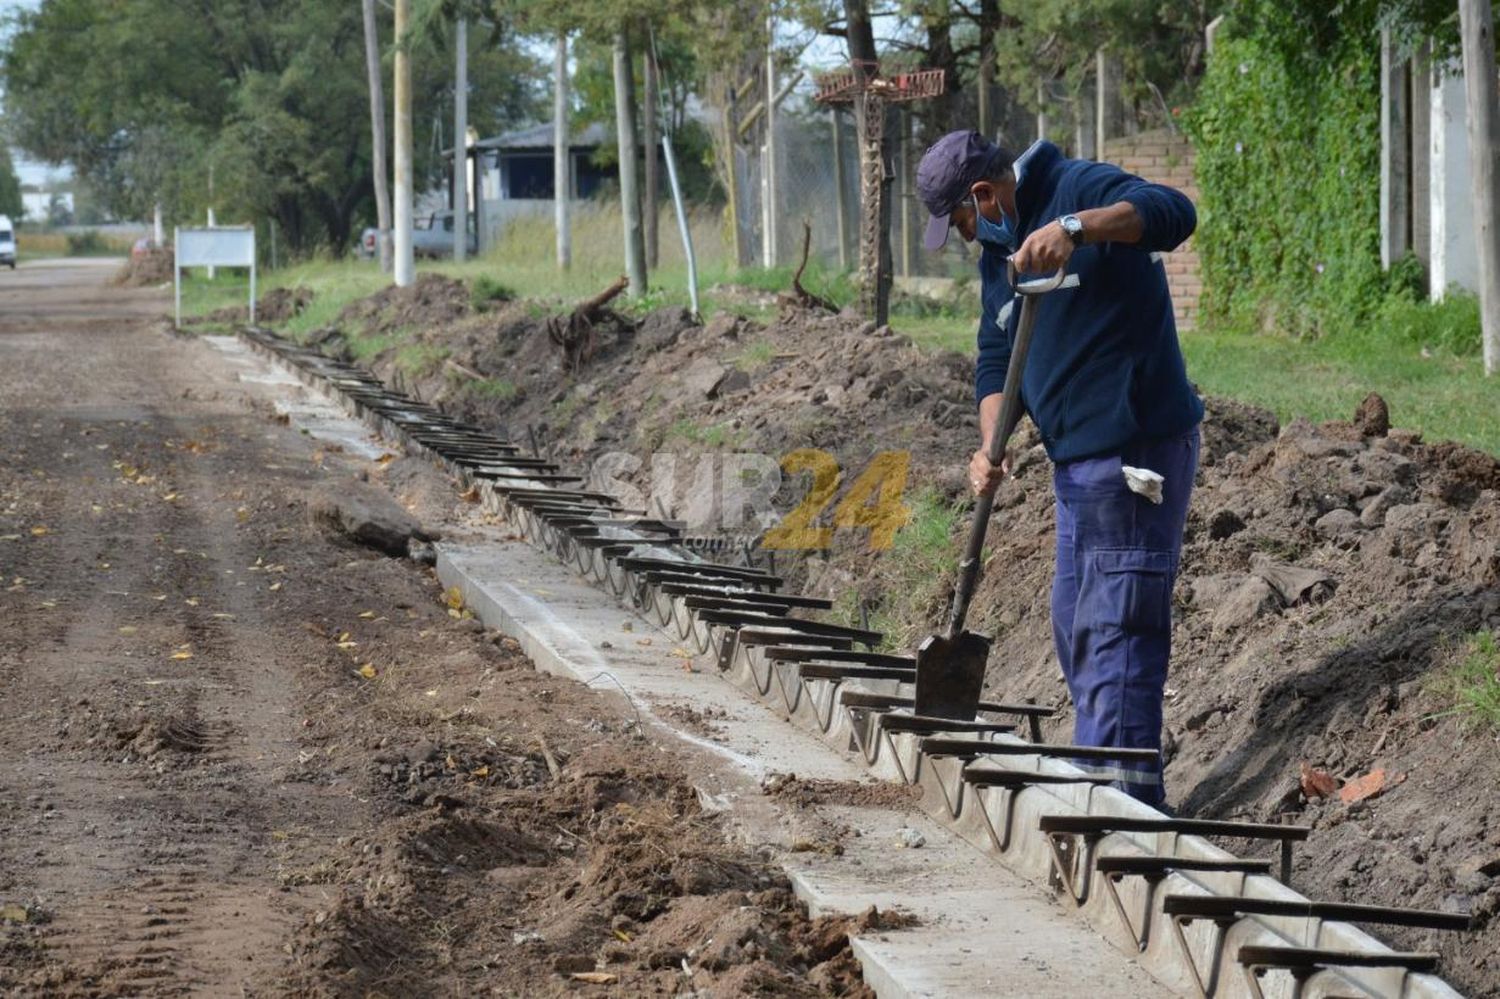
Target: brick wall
1164	158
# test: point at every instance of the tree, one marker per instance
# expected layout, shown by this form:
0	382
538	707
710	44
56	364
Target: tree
1484	147
10	187
141	98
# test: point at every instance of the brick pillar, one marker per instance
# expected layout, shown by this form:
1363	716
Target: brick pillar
1164	158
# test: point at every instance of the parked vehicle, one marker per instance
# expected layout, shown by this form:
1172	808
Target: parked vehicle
431	236
7	242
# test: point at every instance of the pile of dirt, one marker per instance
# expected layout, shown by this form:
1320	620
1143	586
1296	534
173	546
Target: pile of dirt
605	874
433	300
146	269
276	306
1329	571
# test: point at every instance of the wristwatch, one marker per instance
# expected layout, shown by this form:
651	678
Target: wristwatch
1073	226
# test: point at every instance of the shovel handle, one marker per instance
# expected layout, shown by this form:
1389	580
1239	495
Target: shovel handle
1005	425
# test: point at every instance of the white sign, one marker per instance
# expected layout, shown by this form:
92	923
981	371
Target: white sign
216	246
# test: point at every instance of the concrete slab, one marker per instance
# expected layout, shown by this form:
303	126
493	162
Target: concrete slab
982	930
307	410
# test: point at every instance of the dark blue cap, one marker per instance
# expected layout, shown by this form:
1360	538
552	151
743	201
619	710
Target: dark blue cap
948	169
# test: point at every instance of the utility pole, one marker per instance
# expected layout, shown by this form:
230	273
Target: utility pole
629	147
1476	19
769	195
562	162
377	138
461	140
650	141
405	264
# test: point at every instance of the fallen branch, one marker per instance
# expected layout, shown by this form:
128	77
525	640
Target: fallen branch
576	334
800	297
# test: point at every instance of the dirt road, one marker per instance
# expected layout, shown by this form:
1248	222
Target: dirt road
240	757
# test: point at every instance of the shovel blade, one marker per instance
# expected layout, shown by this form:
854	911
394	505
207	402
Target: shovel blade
950	675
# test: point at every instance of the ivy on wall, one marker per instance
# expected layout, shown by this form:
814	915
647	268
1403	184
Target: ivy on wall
1286	129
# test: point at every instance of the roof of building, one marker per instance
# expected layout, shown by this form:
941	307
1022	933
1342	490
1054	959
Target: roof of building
540	137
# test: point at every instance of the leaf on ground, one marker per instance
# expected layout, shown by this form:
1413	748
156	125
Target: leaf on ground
276	586
182	654
128	629
454	598
1318	783
169	497
1373	783
191	601
40	531
682	653
595	977
643	641
385	459
348	645
367	671
470	495
10	537
367	615
13	914
49	604
483	771
221	615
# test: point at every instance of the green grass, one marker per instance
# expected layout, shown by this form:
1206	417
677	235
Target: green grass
499	389
1445	396
1472	681
419	358
915	570
755	356
712	435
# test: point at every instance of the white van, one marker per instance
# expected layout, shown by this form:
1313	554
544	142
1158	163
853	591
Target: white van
7	242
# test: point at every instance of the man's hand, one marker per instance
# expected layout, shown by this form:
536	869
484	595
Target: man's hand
985	478
1045	251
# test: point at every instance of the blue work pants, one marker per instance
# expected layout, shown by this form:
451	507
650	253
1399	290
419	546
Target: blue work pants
1117	557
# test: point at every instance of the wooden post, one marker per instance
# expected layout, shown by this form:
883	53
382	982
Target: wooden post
1041	109
903	199
1476	20
405	264
732	177
630	193
377	140
840	203
562	159
1394	152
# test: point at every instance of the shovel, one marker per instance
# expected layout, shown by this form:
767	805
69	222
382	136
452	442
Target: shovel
950	666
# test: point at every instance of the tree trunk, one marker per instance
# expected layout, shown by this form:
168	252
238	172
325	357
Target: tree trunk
562	161
377	137
629	149
875	175
1477	21
651	107
942	111
989	25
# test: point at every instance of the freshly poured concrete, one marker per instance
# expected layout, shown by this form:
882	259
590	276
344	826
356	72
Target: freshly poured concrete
983	931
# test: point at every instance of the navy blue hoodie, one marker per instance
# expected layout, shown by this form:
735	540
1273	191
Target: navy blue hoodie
1105	369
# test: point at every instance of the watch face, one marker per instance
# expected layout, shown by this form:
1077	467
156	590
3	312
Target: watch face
1072	226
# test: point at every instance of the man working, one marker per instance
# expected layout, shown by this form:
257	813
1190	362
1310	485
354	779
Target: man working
1106	386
